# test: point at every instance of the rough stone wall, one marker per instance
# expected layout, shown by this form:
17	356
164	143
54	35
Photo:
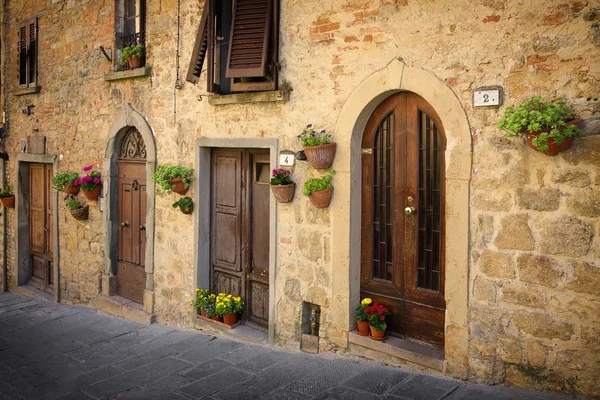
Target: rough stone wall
534	309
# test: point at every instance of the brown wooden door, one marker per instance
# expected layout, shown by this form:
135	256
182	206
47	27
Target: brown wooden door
41	225
240	229
402	246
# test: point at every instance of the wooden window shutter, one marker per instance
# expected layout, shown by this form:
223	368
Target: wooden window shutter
22	59
249	40
200	47
32	50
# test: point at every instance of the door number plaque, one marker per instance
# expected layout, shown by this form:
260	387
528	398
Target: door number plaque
287	159
489	96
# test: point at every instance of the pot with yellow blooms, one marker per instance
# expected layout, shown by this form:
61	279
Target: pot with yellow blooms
228	307
362	317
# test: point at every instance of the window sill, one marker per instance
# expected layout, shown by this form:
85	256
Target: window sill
251	97
127	74
29	90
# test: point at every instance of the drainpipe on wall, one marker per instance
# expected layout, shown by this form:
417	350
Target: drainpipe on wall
3	88
4	237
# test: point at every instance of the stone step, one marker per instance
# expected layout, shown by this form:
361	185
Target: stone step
120	307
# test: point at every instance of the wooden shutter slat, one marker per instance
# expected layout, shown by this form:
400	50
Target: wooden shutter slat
32	46
200	48
249	41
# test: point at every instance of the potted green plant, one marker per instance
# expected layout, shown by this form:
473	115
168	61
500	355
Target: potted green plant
548	126
78	211
319	190
172	178
7	196
66	182
90	183
282	186
318	147
377	313
132	56
228	306
185	204
201	300
362	317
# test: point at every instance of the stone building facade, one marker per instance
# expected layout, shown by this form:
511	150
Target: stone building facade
521	249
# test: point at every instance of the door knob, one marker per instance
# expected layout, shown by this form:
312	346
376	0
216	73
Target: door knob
124	224
409	210
142	228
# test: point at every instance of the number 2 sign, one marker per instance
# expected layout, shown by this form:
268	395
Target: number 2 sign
488	96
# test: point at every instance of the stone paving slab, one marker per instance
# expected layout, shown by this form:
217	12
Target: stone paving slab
61	352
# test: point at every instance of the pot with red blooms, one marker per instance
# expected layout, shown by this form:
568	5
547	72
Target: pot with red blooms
362	318
377	313
282	186
90	183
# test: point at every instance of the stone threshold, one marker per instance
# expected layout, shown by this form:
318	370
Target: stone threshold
241	332
121	307
402	349
34	293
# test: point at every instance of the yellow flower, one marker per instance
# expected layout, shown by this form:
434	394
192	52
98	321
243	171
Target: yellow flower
366	301
197	289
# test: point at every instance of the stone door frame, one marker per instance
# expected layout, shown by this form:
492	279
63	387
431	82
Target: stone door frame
22	239
202	177
397	77
126	118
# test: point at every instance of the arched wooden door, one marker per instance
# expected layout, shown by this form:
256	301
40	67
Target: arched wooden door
131	203
402	236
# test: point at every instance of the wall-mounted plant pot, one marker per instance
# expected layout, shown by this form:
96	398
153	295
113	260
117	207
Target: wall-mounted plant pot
553	148
321	157
322	198
187	210
9	202
93	194
284	193
82	214
178	187
135	62
72	190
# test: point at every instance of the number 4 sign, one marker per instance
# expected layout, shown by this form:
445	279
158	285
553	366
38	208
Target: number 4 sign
488	96
287	159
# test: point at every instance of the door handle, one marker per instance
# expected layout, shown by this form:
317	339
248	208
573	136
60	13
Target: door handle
124	224
409	210
142	228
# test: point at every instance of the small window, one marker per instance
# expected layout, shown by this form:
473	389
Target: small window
28	53
129	28
237	42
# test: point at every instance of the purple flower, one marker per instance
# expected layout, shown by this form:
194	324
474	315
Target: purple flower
66	197
309	126
76	182
89	167
96	180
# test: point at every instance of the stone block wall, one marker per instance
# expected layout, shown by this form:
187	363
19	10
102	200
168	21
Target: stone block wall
534	278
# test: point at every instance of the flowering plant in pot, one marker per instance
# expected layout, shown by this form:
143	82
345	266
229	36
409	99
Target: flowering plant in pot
90	183
377	313
319	190
131	55
185	204
201	300
228	307
318	147
362	317
79	211
172	179
549	127
282	186
7	196
66	182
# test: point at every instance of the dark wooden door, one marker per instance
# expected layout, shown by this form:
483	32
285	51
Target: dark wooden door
402	246
131	202
240	229
41	226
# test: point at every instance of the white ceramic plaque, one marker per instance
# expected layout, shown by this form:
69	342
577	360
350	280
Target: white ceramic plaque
485	97
287	160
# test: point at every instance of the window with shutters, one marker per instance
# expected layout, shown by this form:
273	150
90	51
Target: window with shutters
28	53
129	26
237	45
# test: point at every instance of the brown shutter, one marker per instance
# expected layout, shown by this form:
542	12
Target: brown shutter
22	59
249	40
200	48
32	47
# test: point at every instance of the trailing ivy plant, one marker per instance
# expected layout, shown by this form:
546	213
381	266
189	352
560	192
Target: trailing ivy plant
164	173
318	184
62	180
548	120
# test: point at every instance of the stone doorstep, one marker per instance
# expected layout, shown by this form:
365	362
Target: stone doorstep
34	293
120	307
402	349
241	332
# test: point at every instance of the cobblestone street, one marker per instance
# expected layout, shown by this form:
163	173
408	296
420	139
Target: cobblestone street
53	351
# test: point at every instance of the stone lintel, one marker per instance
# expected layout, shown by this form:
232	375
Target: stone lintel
127	74
250	97
29	90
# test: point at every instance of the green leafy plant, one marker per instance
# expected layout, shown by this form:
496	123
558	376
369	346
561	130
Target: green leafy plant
7	190
281	177
201	299
359	311
164	173
310	137
318	184
135	50
185	202
72	203
547	119
62	180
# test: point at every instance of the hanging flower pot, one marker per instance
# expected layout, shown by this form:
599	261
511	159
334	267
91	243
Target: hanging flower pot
93	194
81	214
178	187
322	156
322	198
553	147
362	328
284	193
185	204
91	183
9	202
72	190
230	319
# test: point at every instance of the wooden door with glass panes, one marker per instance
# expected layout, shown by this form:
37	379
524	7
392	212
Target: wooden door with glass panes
41	241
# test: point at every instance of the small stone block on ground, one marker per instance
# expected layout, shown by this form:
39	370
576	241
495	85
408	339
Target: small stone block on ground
310	344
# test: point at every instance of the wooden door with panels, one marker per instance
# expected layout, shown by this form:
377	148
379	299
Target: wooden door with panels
240	215
41	238
402	232
132	204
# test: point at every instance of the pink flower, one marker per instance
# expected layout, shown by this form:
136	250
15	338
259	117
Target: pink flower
89	167
76	182
96	180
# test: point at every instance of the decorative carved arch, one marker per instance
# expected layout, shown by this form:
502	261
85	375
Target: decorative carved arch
132	146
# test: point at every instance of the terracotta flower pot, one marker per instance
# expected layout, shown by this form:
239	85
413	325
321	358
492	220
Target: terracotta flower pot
362	328
375	334
217	318
178	187
322	198
187	210
9	202
322	156
93	194
553	148
135	62
202	312
230	319
72	190
82	214
284	193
